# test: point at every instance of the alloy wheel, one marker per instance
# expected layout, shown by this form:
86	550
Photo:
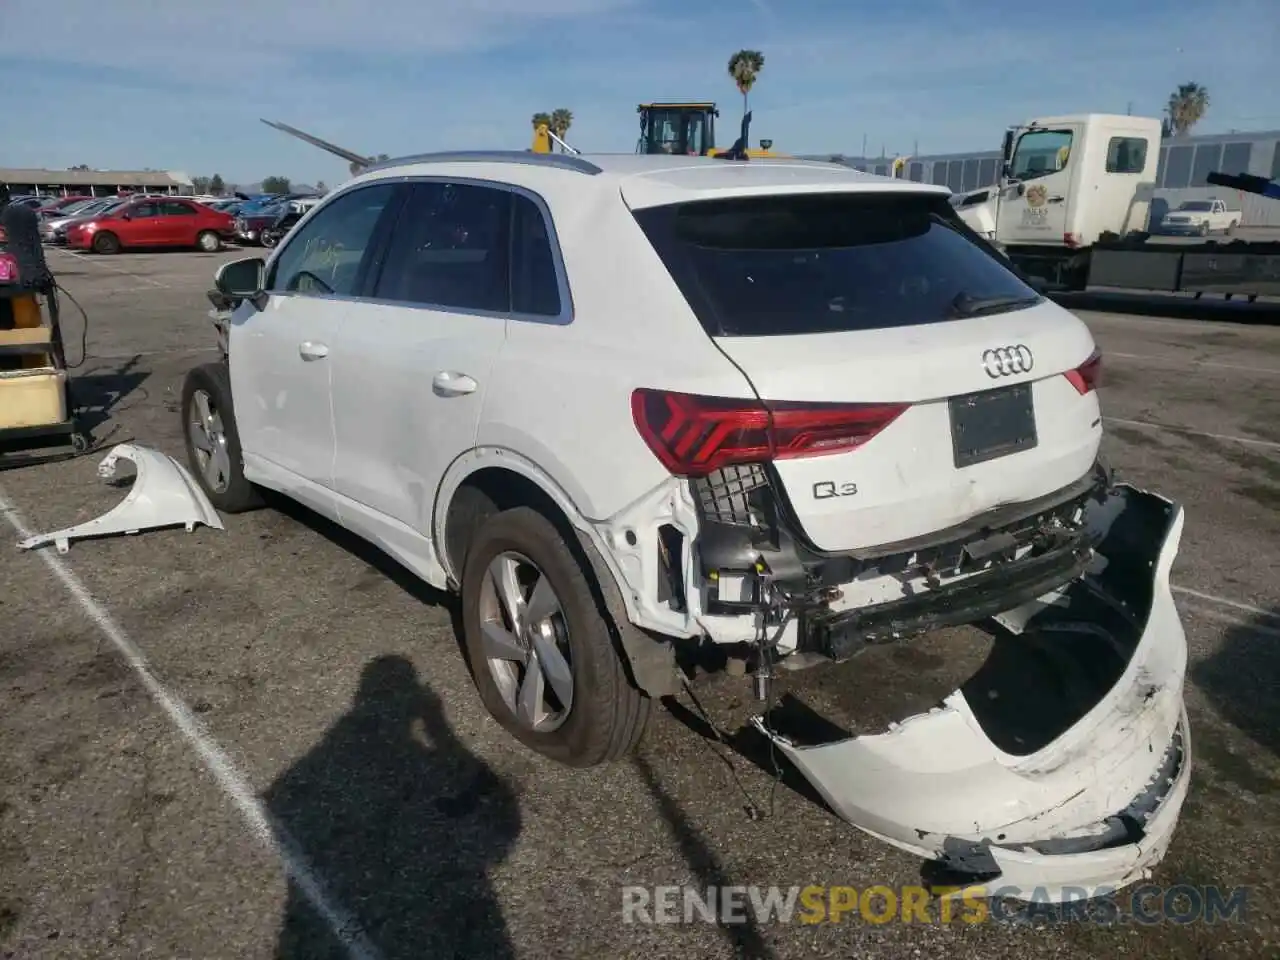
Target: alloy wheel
525	639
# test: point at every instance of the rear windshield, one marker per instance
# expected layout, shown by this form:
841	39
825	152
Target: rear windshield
826	263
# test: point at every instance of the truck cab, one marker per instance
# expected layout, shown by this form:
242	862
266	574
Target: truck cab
1067	182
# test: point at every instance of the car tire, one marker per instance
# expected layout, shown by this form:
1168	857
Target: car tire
208	241
607	715
1204	229
106	242
1231	228
226	487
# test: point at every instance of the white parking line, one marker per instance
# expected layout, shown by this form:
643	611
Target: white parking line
231	781
1233	604
116	270
1179	362
1271	633
1266	444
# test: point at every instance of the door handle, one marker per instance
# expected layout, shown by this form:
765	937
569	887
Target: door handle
309	350
447	383
1056	199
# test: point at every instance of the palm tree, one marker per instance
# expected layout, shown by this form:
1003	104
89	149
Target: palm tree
1187	107
745	67
541	118
561	121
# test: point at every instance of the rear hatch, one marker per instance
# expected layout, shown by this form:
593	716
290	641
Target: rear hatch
911	380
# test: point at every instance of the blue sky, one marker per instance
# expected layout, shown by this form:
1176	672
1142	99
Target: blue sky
181	84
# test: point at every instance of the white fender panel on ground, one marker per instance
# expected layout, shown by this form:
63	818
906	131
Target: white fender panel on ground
164	494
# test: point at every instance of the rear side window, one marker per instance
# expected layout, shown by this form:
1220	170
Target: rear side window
825	263
449	249
1126	155
535	286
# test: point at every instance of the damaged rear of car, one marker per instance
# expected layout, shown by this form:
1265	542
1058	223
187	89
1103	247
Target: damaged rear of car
921	451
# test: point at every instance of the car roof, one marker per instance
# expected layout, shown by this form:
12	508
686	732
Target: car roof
647	180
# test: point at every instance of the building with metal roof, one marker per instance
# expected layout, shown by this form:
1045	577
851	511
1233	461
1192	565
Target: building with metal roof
98	183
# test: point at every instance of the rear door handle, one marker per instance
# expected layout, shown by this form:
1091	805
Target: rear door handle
310	350
447	383
1056	199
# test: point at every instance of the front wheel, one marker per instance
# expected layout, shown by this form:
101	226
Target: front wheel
540	649
269	238
213	444
106	243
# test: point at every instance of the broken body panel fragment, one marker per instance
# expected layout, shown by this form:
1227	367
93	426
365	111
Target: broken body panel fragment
1037	795
164	494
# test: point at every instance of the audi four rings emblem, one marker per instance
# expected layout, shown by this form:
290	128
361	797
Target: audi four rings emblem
1006	361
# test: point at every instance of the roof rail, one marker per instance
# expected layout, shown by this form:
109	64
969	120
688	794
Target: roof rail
564	161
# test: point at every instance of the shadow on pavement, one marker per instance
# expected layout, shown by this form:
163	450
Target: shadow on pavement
1242	679
745	937
98	395
403	824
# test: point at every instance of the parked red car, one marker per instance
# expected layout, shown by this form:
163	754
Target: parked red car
169	222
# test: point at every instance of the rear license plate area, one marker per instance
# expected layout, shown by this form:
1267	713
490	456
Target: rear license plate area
992	424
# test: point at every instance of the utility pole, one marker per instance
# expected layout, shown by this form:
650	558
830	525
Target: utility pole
864	146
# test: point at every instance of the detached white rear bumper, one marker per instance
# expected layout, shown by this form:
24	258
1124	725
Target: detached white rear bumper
1093	808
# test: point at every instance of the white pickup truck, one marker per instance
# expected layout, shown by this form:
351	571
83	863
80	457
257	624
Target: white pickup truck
1201	218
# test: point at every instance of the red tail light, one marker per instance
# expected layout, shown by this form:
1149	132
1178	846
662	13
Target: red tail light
694	435
1087	376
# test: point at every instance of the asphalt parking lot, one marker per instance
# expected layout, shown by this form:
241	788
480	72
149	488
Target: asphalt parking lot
161	693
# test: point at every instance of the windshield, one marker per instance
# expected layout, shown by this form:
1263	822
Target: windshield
1203	205
675	130
93	206
824	263
1040	153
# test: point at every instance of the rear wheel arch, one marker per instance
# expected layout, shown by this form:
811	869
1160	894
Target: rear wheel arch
481	488
507	479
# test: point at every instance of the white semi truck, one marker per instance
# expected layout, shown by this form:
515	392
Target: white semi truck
1072	210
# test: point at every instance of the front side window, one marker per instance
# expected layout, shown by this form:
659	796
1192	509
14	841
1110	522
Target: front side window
1040	153
325	256
450	249
140	210
826	263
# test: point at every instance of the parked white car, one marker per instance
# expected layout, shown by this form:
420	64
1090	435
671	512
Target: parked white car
1200	217
635	407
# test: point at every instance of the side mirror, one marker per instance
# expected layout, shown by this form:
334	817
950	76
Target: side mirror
126	215
242	279
1006	155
